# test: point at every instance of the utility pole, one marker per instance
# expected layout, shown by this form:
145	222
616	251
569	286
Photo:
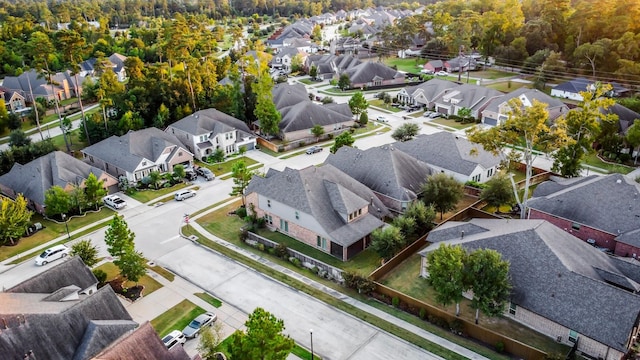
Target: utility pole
460	54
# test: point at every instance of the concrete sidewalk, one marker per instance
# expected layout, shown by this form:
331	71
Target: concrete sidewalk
338	295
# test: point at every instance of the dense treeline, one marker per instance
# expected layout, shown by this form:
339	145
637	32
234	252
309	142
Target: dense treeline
596	38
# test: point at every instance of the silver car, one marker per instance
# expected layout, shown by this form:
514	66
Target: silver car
173	339
193	329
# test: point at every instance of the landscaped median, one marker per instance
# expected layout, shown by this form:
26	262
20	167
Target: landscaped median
147	283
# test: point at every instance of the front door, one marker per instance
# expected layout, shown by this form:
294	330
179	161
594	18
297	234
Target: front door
284	226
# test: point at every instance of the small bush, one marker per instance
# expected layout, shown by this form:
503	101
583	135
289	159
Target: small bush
244	234
100	275
241	212
261	247
438	321
500	347
295	261
302	143
395	301
271	251
422	313
456	326
330	136
282	251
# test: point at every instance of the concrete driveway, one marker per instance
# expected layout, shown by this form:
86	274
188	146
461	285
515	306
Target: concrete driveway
336	335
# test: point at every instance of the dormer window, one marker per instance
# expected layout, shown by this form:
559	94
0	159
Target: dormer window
268	203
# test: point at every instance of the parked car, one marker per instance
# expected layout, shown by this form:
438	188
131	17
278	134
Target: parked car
205	173
193	329
173	339
52	254
114	201
426	71
33	228
382	119
184	194
442	73
427	113
434	115
314	149
190	174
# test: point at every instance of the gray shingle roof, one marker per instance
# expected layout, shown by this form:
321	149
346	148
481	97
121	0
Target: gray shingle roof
142	344
368	71
431	89
70	272
285	95
383	170
318	191
626	116
36	177
448	151
557	276
128	150
210	121
609	203
99	334
471	96
526	95
306	114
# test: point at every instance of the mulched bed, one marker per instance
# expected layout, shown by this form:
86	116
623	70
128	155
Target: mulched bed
132	293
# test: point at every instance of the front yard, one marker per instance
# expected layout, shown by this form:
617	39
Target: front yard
225	167
176	318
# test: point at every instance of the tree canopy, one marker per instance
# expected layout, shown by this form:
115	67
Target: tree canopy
443	192
263	339
14	219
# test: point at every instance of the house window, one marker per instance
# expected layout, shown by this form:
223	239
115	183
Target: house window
284	225
490	172
297	215
268	219
573	336
180	153
106	167
321	242
512	308
359	212
476	178
350	216
575	226
269	203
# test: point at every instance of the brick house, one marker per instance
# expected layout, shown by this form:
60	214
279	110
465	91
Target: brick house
319	206
601	210
561	286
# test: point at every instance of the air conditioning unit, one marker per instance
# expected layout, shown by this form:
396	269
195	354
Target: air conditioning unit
559	339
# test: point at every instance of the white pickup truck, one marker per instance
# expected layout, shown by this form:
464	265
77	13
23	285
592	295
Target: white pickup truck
114	201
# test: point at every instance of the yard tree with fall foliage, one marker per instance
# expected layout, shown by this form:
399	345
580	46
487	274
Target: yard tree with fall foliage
527	129
14	219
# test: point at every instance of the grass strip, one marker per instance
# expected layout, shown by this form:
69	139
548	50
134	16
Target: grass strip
176	318
162	272
210	299
212	206
328	299
303	353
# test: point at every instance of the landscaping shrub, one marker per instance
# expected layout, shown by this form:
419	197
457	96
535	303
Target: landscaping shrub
330	136
438	321
422	313
395	301
295	261
500	347
476	184
456	326
100	275
244	234
241	212
302	143
282	251
261	223
271	251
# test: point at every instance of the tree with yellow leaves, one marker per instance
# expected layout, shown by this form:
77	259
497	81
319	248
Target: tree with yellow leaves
14	219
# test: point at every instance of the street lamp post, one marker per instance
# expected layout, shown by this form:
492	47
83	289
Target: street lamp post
64	218
311	333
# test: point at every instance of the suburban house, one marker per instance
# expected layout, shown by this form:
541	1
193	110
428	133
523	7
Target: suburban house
300	115
302	45
626	117
320	206
561	286
395	177
137	153
31	82
425	93
34	178
601	210
464	63
453	155
117	60
498	109
369	74
572	88
14	102
300	29
344	45
207	130
282	60
433	66
469	96
329	66
61	314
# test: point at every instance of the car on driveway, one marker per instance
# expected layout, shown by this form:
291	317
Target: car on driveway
434	115
173	339
313	150
442	73
205	173
382	119
193	329
51	254
184	194
114	201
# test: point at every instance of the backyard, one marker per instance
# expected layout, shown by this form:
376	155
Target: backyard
411	65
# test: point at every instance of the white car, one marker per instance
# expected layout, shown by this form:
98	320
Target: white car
114	201
382	119
442	73
174	339
51	254
184	194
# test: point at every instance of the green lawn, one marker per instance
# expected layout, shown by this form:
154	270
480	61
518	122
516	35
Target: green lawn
303	353
594	160
150	285
225	167
450	123
507	86
306	81
210	299
405	278
491	74
380	104
176	318
147	195
162	272
411	65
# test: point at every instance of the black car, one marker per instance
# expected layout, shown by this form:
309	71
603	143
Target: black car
313	150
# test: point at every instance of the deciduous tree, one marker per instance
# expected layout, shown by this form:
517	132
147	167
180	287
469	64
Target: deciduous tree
358	104
525	129
487	275
317	131
241	177
498	191
344	139
118	237
86	251
344	82
263	339
131	265
56	201
406	132
445	266
387	242
422	214
443	192
14	219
